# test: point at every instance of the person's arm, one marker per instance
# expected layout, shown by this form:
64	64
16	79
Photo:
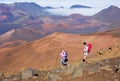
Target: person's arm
61	53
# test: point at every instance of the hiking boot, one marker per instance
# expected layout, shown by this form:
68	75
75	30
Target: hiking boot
83	60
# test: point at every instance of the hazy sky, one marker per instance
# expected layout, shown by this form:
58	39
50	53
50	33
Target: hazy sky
96	4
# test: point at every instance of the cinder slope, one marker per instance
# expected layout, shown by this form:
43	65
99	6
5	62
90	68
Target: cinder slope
43	53
101	67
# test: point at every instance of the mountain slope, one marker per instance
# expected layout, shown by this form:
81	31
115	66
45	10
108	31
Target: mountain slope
109	15
101	67
20	34
29	8
43	52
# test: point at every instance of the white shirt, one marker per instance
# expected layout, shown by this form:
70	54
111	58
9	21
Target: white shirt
85	48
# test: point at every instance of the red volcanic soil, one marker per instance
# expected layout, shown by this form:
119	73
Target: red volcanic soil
43	53
12	44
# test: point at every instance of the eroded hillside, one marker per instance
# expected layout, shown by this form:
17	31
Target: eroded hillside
43	53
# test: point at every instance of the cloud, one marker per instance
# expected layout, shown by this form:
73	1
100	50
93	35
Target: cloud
66	11
96	4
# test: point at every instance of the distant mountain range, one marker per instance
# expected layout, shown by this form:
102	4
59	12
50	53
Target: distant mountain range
32	19
79	6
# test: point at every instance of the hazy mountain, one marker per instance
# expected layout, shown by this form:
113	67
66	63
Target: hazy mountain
19	16
48	24
22	9
79	6
30	8
109	15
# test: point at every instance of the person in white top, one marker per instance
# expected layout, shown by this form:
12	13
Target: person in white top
63	55
85	52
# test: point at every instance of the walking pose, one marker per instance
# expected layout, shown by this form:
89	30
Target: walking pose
86	51
64	58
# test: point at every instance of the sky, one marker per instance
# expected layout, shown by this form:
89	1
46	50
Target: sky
96	4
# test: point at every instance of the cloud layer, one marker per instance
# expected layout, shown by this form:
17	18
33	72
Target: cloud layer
96	4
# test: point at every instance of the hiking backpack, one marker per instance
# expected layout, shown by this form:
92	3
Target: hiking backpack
89	47
66	55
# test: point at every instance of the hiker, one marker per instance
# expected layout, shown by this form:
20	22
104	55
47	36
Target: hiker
64	58
86	51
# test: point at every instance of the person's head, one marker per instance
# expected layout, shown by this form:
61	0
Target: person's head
84	43
63	49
